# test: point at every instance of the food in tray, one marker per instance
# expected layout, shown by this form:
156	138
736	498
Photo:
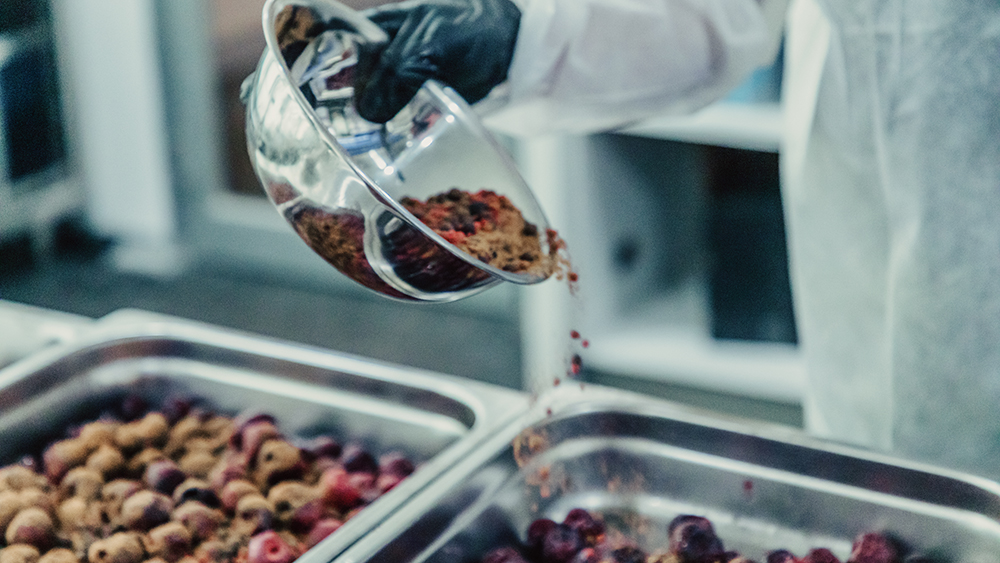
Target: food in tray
583	537
184	484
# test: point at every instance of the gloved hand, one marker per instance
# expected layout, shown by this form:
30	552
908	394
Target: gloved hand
465	44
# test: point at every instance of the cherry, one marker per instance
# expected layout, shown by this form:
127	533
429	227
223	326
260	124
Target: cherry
269	547
537	531
693	539
176	408
338	490
321	446
561	543
163	476
356	459
321	530
504	555
820	555
395	464
873	548
582	521
133	407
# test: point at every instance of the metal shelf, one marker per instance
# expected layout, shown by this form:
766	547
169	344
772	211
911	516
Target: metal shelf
760	370
751	126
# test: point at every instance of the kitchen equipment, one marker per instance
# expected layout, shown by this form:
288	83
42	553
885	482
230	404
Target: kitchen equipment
434	419
338	179
641	462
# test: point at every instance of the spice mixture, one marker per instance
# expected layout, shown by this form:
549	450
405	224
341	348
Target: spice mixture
339	239
485	225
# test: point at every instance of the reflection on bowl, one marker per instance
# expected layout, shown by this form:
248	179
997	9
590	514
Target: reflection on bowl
339	180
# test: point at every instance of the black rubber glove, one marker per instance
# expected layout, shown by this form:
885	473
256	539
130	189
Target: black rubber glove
466	44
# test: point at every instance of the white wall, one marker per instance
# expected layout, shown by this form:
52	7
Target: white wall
115	121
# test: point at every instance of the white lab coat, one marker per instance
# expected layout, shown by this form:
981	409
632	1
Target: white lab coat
891	183
890	176
587	65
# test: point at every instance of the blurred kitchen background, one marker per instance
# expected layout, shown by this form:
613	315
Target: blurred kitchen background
125	183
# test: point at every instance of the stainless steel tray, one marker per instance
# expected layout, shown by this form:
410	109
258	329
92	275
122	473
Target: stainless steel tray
643	461
435	418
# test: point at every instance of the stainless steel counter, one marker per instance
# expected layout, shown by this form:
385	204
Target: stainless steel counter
25	329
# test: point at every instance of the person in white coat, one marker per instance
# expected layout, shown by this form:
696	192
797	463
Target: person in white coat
890	170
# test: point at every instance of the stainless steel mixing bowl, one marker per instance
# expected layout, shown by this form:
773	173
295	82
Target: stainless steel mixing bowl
338	179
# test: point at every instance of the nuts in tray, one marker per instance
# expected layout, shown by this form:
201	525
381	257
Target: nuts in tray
185	485
583	537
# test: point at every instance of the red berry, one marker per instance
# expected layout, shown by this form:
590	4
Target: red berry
561	544
873	548
163	476
357	459
253	436
386	483
133	407
365	484
323	528
249	427
820	555
504	555
233	470
269	547
693	539
781	556
582	521
395	464
537	531
337	489
306	516
321	446
176	408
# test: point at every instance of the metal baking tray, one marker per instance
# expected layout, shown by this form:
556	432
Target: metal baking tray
434	418
640	462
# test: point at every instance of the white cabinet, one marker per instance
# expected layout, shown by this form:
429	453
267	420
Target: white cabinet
635	208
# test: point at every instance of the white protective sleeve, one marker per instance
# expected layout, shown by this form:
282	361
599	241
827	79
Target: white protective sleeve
892	202
588	65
